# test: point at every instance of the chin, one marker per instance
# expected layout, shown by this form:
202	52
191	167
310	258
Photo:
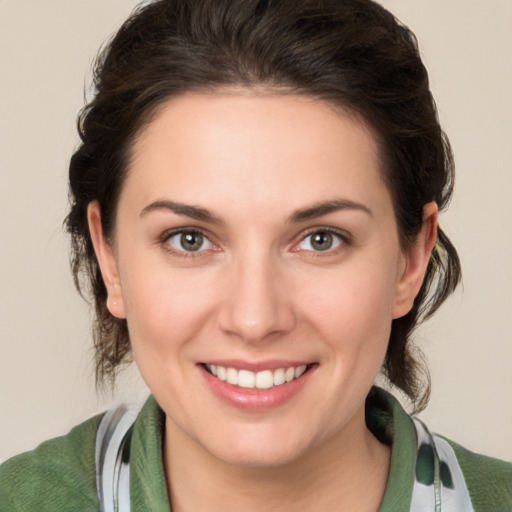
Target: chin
259	450
259	457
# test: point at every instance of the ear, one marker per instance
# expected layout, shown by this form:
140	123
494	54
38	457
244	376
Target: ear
416	259
106	260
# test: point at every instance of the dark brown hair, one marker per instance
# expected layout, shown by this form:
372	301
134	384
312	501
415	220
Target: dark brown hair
352	53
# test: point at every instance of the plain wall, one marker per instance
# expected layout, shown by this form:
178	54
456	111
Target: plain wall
46	374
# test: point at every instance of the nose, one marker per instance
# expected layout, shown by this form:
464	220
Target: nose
257	307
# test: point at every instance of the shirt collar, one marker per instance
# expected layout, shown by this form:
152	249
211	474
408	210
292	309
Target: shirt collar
385	417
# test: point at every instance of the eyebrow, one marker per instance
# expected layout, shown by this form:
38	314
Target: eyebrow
326	207
301	215
194	212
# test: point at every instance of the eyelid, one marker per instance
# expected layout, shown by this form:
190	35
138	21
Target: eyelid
343	236
166	235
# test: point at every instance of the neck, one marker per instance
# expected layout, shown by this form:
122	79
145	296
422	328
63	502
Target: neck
347	472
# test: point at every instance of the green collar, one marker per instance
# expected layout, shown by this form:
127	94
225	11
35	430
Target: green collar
385	417
389	422
148	487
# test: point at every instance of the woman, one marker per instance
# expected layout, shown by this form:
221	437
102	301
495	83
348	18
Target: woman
255	207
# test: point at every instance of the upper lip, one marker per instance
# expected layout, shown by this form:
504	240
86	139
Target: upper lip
253	366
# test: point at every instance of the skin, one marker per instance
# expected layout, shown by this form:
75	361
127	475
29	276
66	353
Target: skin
257	290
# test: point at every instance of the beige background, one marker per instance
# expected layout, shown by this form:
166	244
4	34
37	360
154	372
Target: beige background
46	385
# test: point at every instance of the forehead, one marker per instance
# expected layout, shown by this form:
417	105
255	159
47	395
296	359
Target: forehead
285	149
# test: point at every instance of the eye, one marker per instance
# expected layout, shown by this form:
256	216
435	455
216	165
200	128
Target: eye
189	241
321	240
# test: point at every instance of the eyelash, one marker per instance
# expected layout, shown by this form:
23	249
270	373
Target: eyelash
343	238
166	236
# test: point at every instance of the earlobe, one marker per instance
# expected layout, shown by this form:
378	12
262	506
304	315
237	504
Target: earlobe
106	261
416	261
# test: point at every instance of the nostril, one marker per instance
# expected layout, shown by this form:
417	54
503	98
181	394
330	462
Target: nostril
256	320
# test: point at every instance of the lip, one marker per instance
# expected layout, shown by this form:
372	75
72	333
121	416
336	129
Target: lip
256	399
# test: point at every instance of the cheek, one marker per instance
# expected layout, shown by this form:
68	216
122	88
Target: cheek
167	313
165	307
352	306
351	310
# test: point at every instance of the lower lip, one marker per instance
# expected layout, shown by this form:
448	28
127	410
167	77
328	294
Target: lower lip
256	399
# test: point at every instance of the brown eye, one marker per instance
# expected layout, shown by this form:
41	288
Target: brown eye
321	240
189	241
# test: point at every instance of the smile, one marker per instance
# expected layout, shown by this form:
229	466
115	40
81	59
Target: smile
265	379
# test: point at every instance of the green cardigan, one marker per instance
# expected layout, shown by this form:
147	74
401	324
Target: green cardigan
59	475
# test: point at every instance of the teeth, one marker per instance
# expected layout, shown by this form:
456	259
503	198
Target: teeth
279	377
232	376
221	372
265	379
299	371
246	379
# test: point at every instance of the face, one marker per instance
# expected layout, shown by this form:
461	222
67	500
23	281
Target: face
257	261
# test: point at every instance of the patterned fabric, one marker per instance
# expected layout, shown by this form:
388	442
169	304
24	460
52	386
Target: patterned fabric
112	455
439	485
65	474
